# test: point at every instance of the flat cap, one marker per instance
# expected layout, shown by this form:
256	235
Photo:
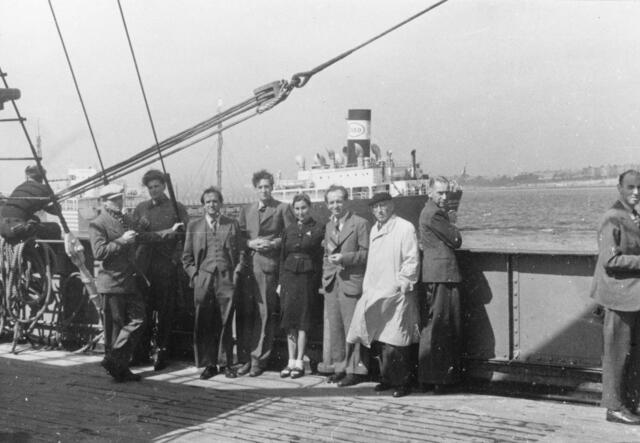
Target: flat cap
111	191
34	170
379	197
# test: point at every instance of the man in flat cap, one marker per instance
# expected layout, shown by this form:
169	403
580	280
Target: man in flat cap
158	258
113	245
387	312
18	219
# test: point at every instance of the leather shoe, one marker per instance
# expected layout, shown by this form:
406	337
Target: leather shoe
427	387
139	361
112	368
208	372
244	369
382	387
350	380
297	372
159	361
229	372
401	391
623	415
335	378
127	375
255	372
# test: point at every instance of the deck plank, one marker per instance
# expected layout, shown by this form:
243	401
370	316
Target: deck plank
59	396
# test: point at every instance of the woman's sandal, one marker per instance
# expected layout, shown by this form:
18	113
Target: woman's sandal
286	372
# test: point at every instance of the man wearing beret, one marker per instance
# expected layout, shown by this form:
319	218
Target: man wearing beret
158	258
113	245
17	216
441	336
616	286
387	312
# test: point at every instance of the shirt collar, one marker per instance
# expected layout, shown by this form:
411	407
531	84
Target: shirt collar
156	202
211	220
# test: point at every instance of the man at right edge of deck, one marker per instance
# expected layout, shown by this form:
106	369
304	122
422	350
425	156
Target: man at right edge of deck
616	286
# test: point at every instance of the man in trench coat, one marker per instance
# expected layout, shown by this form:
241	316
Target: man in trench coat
387	312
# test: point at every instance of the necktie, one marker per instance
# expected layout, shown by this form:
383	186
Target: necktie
379	226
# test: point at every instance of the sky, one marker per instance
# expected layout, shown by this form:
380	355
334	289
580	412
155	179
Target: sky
502	87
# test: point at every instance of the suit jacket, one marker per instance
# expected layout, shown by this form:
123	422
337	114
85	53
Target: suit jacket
195	244
269	225
115	260
616	281
353	243
301	250
438	240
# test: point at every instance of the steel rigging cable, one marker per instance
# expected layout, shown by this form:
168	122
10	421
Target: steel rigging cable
264	99
75	82
172	194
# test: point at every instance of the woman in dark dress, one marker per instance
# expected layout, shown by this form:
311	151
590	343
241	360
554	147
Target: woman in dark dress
300	270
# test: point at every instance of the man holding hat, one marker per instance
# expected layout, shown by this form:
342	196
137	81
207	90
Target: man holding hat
17	217
113	244
387	312
158	258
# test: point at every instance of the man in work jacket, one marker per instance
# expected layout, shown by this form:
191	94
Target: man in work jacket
113	246
17	216
158	258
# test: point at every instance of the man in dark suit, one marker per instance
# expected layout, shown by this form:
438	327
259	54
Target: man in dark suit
345	259
616	286
211	259
440	338
262	223
113	245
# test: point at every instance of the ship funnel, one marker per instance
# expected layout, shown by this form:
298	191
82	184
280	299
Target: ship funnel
359	132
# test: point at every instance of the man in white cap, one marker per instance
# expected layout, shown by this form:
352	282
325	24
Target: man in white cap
113	245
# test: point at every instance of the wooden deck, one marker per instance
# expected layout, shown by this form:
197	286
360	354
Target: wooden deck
60	396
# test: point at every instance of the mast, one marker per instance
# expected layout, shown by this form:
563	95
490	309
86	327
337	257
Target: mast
219	166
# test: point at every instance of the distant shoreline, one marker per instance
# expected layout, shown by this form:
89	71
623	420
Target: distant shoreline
601	183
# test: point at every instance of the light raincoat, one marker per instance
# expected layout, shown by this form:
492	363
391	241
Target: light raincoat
383	313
